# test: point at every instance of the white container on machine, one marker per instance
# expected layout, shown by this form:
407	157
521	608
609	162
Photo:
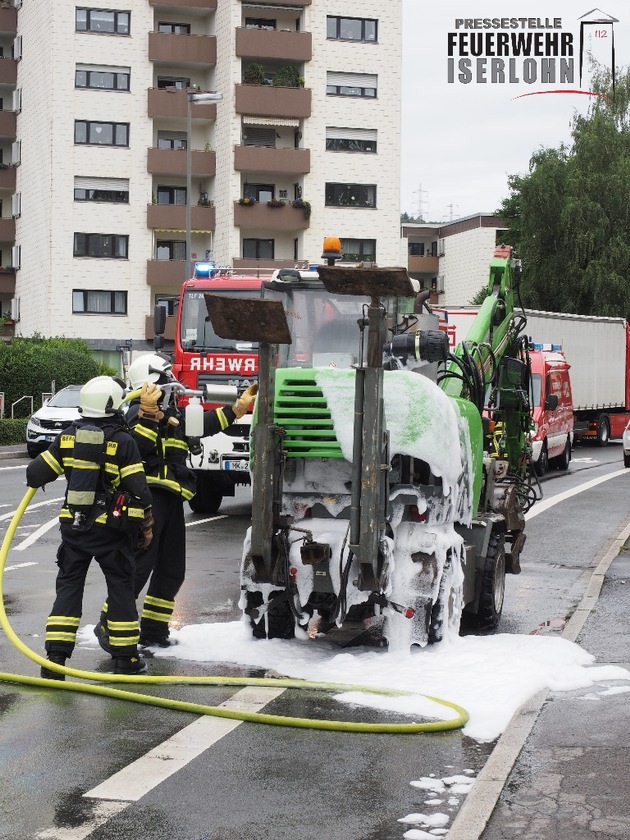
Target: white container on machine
193	418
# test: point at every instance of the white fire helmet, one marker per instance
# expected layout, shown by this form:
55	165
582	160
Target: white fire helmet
101	397
151	368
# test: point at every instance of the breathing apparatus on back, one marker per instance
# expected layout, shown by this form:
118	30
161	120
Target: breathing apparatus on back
100	398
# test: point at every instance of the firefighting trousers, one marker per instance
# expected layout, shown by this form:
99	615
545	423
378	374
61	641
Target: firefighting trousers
114	552
163	564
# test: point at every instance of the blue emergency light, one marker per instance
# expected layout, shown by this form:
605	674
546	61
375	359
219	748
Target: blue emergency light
205	269
555	347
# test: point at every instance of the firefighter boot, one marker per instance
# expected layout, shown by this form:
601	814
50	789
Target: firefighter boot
100	631
59	659
129	665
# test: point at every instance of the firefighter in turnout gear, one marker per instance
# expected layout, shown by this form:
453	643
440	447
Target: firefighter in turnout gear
158	427
106	511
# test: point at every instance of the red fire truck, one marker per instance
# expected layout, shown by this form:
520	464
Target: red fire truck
203	359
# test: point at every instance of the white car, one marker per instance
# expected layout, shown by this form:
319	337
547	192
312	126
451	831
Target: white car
626	446
53	417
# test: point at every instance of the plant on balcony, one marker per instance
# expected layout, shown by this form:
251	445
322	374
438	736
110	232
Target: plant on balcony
275	202
247	201
305	206
254	75
287	76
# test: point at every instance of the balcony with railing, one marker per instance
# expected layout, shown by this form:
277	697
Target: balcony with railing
269	101
166	273
260	216
176	48
176	5
173	217
422	265
267	159
7	177
273	43
8	71
7	124
7	230
173	102
173	162
8	19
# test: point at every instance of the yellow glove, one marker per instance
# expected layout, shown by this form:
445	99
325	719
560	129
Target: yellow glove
149	398
245	401
146	530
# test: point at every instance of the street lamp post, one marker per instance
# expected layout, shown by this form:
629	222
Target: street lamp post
192	97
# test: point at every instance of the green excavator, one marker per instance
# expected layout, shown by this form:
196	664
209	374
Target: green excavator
390	473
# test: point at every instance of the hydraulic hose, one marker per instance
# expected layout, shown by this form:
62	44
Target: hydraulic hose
198	708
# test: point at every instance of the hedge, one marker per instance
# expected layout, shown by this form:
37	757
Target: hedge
12	432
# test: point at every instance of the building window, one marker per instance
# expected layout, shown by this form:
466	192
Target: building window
259	136
170	249
99	302
101	133
107	245
177	82
351	29
115	190
260	192
258	249
415	249
260	23
351	140
171	195
174	28
350	195
351	84
102	21
102	78
172	140
169	302
358	250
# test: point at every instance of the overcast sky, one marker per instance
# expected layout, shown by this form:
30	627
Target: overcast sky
461	141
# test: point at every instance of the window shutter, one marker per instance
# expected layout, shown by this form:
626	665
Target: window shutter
333	133
364	80
115	184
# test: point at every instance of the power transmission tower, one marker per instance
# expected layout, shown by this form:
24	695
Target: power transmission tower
419	201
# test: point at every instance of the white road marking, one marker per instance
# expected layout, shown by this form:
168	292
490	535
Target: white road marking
137	779
19	566
31	507
541	507
36	534
209	519
22	467
102	812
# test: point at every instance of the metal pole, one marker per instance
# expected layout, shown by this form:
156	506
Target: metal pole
189	102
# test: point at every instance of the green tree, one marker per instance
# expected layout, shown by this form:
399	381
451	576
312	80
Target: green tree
570	215
28	366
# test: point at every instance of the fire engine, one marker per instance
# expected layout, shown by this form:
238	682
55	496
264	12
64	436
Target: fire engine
202	360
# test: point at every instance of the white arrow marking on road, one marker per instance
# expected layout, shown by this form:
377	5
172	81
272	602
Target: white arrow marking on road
541	507
12	513
19	566
36	534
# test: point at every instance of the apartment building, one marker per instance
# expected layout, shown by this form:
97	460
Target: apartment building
452	259
100	136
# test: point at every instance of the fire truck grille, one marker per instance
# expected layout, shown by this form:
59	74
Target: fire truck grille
302	411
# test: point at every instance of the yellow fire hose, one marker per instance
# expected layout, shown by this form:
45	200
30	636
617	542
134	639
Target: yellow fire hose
199	708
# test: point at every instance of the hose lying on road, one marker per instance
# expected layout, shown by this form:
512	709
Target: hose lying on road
198	708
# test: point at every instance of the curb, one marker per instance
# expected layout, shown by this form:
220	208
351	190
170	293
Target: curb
8	453
473	817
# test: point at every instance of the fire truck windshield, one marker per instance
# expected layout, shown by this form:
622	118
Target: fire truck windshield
197	335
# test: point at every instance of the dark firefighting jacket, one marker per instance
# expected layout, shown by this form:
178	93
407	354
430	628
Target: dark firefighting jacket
164	446
116	466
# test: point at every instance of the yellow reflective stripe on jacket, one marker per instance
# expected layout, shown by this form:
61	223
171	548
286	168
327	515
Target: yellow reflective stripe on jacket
144	431
52	462
222	418
168	484
175	443
131	469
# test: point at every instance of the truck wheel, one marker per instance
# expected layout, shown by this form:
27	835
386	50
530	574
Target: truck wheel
277	623
492	586
542	464
603	431
562	461
207	499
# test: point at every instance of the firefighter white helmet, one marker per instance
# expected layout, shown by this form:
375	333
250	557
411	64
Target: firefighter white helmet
151	368
101	397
